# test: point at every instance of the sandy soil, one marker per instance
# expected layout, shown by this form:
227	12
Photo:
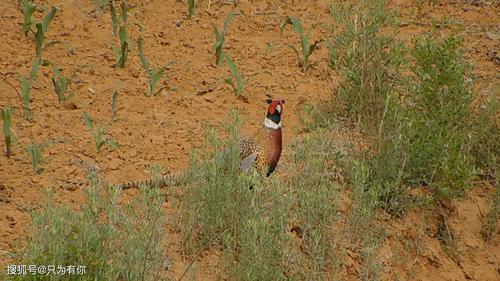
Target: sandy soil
166	128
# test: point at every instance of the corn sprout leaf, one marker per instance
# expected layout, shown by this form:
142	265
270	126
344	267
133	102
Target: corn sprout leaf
113	143
28	11
297	53
190	8
48	18
114	104
34	69
240	83
125	8
228	20
154	81
124	47
89	123
312	48
114	19
39	40
144	61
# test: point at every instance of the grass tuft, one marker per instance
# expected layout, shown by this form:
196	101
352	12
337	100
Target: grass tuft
113	241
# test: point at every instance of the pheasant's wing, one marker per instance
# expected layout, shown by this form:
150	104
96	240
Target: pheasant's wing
249	161
248	146
248	153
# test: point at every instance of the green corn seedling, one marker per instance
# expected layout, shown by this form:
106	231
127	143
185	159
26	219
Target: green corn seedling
25	95
26	88
39	40
35	151
154	74
61	84
114	105
36	157
101	5
41	29
48	18
122	52
190	8
220	39
125	8
28	10
306	48
237	82
99	134
6	114
114	19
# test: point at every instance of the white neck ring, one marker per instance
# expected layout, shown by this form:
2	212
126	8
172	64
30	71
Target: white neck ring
268	123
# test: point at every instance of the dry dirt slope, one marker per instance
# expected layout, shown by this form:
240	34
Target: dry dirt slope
164	129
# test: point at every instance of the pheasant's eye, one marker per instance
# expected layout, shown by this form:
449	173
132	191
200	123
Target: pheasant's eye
278	108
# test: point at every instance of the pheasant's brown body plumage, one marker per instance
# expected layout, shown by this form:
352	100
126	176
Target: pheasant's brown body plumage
264	150
261	151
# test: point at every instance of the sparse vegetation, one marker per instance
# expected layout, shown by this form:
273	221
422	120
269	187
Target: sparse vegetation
237	82
28	10
367	60
304	37
122	51
486	137
9	138
36	156
26	84
365	180
154	74
35	151
438	133
490	223
191	4
220	38
114	105
61	84
29	23
113	241
98	134
102	5
257	228
41	29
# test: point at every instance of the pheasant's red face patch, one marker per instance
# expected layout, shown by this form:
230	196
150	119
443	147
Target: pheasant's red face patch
275	105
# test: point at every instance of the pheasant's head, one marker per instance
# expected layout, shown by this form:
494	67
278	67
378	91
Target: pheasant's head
274	111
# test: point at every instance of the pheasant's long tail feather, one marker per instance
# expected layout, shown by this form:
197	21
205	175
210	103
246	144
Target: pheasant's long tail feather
152	182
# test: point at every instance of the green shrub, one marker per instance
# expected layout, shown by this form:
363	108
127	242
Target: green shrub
486	136
258	228
314	207
226	208
438	125
112	241
367	59
490	223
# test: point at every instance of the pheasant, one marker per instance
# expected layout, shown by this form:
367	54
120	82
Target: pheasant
261	151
